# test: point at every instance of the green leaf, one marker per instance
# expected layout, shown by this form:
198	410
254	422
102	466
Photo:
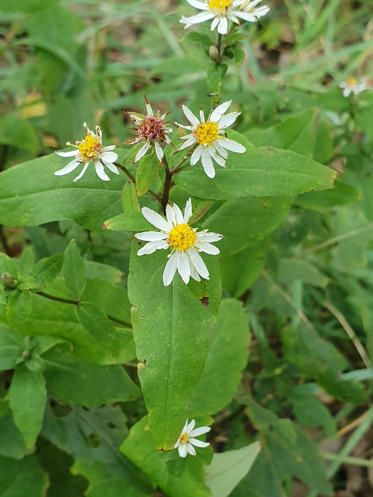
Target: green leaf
46	270
130	201
104	483
176	477
19	133
292	452
134	221
245	221
12	443
19	308
260	172
310	412
25	6
172	331
30	194
94	436
73	269
215	76
16	476
48	314
297	269
296	133
227	358
11	347
228	468
27	397
146	173
240	271
7	265
342	194
73	380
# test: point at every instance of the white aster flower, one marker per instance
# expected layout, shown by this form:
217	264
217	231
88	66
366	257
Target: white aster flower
208	136
186	243
220	11
152	130
186	440
90	150
353	85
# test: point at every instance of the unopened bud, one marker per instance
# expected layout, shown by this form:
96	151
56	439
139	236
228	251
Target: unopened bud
213	52
9	280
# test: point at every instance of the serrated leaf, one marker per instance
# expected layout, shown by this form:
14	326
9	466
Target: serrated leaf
30	194
46	270
227	358
228	468
172	331
73	269
16	476
73	380
261	172
10	347
27	397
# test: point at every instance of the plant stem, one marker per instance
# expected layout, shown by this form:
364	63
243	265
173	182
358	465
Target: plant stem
132	178
77	302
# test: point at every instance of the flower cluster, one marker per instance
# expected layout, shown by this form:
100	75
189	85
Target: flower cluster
353	85
222	11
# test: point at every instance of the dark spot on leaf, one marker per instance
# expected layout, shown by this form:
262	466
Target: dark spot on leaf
205	301
93	440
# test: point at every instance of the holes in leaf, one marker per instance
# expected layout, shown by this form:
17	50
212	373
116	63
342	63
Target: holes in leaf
93	440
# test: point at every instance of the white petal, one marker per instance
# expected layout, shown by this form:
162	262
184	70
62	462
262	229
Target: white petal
202	115
228	120
81	174
207	163
140	154
183	266
156	220
183	451
193	272
200	431
151	247
217	158
151	236
198	5
70	153
190	426
217	114
188	143
188	210
170	270
232	145
109	156
202	17
221	151
67	169
223	26
196	155
158	151
246	16
198	443
215	22
190	116
178	214
191	450
209	237
207	248
101	171
109	148
198	263
346	92
170	214
113	168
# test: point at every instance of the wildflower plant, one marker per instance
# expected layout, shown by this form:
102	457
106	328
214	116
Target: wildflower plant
125	332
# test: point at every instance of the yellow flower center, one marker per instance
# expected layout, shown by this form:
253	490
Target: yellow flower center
207	133
220	4
182	237
184	439
352	81
90	148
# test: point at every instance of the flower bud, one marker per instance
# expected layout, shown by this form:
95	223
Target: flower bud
9	281
213	52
